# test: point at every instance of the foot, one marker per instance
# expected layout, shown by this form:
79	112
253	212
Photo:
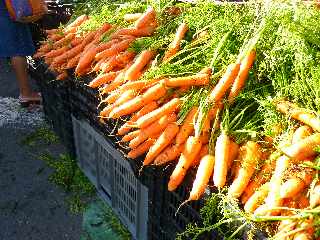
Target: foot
33	98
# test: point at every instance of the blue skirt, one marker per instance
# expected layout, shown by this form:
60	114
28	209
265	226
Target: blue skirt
15	38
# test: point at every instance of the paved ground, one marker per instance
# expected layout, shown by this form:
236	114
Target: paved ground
31	208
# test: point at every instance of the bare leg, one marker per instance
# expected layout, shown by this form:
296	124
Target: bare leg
19	65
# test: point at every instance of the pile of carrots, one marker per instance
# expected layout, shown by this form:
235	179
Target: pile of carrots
267	180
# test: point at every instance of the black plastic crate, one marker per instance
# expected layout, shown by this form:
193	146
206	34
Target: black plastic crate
55	100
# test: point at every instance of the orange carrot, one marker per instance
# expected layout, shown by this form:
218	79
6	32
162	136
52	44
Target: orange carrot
303	149
130	136
77	22
315	196
118	81
141	149
115	49
108	65
63	41
262	177
126	96
57	52
203	175
171	153
203	152
131	17
142	60
113	96
146	18
187	126
73	61
152	94
224	83
102	79
175	44
256	199
156	127
146	109
133	32
239	82
69	54
222	157
299	114
162	142
62	76
104	46
85	60
195	80
250	155
192	148
301	133
291	187
233	153
149	118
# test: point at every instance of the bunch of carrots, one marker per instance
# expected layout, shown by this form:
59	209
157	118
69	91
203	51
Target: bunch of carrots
87	52
268	180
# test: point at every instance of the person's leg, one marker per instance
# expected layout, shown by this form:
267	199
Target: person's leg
19	65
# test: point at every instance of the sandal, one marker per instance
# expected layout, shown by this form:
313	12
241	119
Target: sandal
27	101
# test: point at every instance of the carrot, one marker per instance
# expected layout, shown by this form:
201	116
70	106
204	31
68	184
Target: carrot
203	175
303	149
136	85
146	109
146	18
76	41
299	114
221	163
233	153
291	187
62	76
85	60
156	127
195	80
125	56
187	126
302	236
126	96
315	196
175	44
132	17
118	81
69	54
171	153
102	79
149	118
224	83
115	49
113	96
256	199
262	177
130	136
191	149
133	32
203	152
142	60
239	82
141	149
108	65
152	94
65	40
250	155
301	133
273	199
104	46
162	142
57	52
73	61
77	22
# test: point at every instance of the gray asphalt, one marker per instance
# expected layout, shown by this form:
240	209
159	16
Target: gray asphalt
31	208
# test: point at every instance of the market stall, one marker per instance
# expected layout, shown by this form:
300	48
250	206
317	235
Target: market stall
171	107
